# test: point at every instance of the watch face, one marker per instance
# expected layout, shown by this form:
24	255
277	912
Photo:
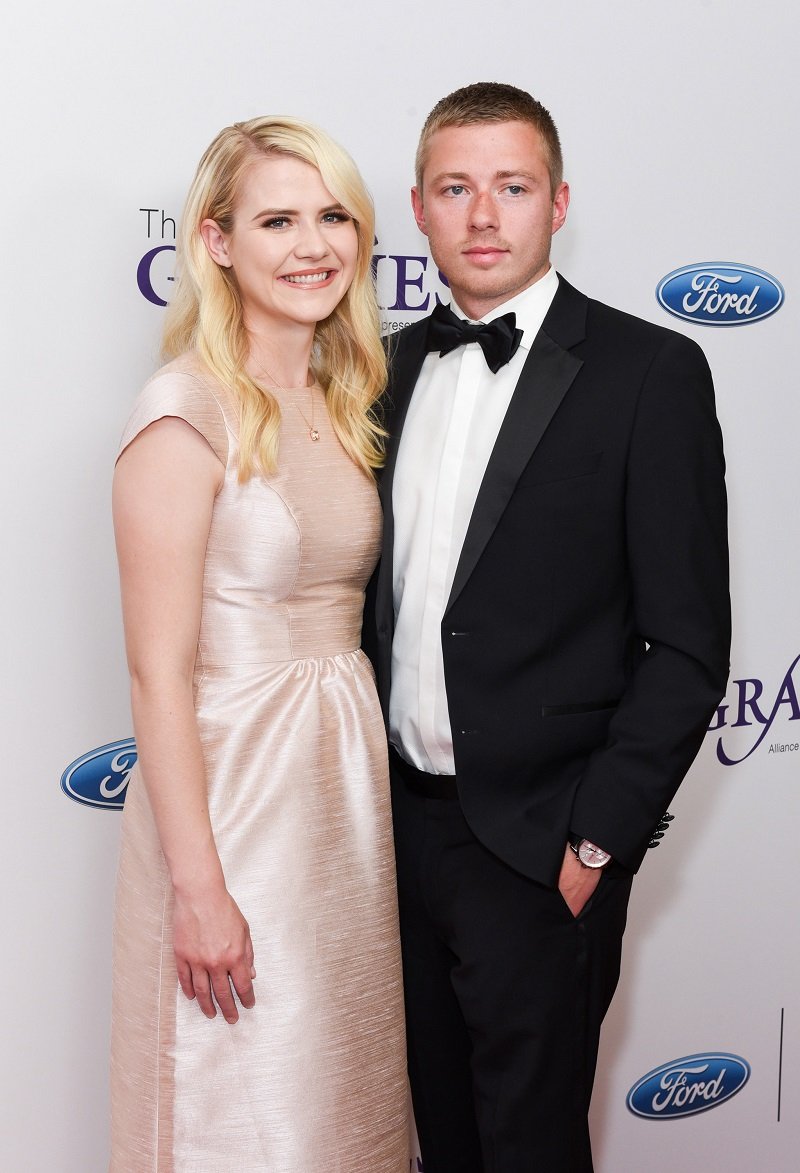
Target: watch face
592	856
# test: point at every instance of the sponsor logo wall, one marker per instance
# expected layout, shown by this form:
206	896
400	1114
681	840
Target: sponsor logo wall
709	974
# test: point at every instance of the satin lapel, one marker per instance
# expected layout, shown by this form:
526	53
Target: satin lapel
545	380
405	364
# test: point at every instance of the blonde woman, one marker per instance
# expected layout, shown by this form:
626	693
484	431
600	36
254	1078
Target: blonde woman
257	1019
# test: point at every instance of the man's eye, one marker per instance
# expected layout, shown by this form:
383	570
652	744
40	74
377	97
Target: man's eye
515	189
456	189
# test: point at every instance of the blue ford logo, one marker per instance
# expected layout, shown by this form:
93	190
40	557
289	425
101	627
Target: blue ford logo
100	777
688	1086
720	294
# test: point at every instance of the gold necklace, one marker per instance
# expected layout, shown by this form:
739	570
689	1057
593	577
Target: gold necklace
313	433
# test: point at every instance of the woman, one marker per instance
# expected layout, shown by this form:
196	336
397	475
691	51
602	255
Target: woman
256	834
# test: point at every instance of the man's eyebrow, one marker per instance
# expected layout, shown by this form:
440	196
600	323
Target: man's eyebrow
449	175
462	175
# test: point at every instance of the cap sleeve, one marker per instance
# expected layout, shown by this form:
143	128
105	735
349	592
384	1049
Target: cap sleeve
179	394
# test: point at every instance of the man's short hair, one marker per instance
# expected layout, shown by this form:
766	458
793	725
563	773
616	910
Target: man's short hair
492	101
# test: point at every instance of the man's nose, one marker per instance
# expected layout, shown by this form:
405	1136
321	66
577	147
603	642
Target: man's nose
483	211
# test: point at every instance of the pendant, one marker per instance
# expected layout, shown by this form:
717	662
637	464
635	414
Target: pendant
314	434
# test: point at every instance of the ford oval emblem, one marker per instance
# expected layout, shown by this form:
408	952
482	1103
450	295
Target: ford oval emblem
688	1086
720	294
100	777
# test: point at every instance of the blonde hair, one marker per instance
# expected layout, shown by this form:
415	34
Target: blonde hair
492	101
347	358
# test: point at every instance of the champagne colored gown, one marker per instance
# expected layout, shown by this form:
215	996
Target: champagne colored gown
313	1078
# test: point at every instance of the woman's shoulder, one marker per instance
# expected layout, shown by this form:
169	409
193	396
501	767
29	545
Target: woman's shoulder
187	379
185	389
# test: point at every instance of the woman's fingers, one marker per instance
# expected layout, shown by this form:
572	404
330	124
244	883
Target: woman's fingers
220	984
215	987
241	976
185	978
202	989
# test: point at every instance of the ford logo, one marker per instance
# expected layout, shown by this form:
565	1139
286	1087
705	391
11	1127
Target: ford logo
720	294
100	777
688	1086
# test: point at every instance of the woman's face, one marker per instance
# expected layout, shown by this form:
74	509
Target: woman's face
293	248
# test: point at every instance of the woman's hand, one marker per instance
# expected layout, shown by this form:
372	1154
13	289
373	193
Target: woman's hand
213	950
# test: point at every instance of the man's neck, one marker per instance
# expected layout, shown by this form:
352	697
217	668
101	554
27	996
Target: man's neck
477	308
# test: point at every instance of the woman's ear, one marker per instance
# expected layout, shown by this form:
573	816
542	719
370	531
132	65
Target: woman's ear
216	242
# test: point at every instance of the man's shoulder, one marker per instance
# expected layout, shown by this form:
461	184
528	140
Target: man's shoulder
410	336
605	316
405	352
612	326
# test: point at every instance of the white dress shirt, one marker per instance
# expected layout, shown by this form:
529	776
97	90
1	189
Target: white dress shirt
450	430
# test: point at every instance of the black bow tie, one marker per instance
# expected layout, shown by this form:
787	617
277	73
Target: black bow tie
498	339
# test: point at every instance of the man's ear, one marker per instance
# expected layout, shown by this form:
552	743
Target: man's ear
560	205
216	242
419	209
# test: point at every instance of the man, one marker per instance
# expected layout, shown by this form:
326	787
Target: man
552	624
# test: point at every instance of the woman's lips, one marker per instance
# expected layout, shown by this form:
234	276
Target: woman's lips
310	280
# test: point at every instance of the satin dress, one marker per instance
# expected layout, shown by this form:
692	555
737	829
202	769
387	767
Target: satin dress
313	1078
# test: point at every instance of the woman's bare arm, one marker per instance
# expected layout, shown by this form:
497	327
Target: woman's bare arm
164	489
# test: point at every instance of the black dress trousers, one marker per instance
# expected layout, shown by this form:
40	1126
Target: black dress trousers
505	995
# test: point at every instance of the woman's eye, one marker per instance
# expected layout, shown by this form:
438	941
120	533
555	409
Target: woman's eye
276	222
335	218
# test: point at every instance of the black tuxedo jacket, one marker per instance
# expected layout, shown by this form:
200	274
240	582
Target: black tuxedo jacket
586	638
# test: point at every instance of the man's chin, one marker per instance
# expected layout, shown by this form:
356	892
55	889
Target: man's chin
473	288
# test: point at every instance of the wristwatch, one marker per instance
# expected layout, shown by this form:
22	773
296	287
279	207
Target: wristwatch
589	855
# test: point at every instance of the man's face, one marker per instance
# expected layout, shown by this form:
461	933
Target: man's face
486	208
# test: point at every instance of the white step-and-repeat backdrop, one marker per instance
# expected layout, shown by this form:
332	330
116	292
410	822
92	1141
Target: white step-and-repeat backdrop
680	126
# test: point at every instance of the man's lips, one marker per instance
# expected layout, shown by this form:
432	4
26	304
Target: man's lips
484	253
309	278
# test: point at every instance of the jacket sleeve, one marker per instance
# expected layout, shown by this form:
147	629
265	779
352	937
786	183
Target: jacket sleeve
676	531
